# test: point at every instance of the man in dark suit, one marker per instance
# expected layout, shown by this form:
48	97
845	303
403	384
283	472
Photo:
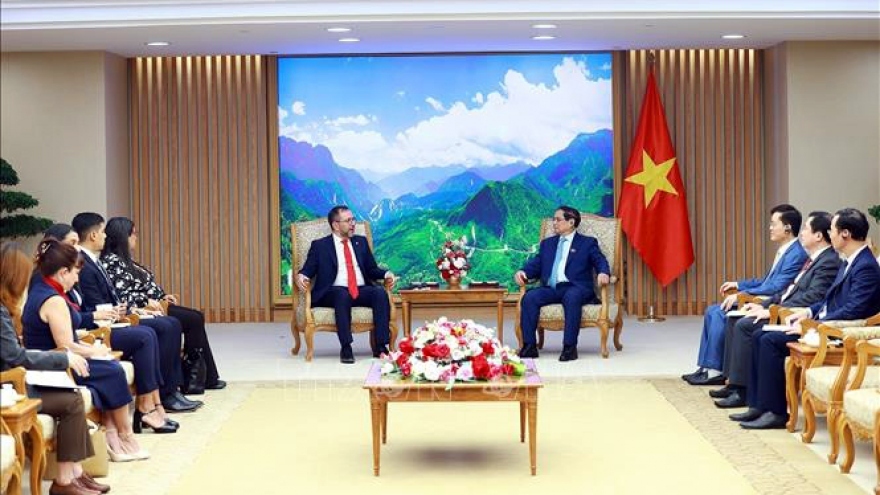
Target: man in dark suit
343	270
785	224
565	263
808	287
96	289
854	295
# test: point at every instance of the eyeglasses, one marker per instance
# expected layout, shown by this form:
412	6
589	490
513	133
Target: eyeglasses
347	220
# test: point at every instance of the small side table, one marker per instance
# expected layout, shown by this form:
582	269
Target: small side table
22	419
800	358
470	297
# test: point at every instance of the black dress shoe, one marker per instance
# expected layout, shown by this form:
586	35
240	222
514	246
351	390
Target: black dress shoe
752	414
178	403
735	399
529	351
721	393
705	380
346	356
215	385
690	376
768	421
187	400
569	353
382	349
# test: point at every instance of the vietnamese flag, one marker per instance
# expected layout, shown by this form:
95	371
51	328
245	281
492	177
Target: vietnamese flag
653	207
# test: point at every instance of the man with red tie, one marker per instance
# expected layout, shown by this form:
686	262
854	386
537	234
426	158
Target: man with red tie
344	271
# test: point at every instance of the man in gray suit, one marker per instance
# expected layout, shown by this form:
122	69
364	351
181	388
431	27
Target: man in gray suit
808	287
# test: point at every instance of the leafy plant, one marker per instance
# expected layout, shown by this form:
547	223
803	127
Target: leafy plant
874	211
17	224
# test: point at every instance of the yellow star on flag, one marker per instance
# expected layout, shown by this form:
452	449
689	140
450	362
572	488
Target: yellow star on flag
653	177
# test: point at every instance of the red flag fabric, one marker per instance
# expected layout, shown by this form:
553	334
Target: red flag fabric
653	207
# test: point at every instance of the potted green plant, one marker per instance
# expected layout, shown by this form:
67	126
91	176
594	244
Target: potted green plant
15	224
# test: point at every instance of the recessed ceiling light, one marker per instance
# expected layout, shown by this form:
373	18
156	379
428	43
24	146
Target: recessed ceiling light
339	29
349	40
544	26
733	36
157	43
543	37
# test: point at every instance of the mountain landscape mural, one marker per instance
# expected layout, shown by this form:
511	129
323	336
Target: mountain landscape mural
421	188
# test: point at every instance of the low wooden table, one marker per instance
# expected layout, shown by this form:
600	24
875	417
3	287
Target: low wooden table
800	357
22	418
467	297
522	389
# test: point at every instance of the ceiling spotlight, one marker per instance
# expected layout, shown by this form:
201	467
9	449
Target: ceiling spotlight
349	40
543	37
157	43
338	29
733	36
544	26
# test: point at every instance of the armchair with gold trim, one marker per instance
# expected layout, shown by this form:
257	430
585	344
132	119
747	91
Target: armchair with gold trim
860	413
609	312
306	319
10	463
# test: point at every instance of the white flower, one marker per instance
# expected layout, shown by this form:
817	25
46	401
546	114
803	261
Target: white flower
418	367
387	367
465	372
475	348
459	262
432	371
458	354
445	265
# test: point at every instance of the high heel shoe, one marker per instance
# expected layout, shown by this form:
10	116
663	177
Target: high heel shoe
141	453
138	423
120	457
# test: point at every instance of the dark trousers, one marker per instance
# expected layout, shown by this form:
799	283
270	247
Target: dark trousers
766	390
738	349
139	345
72	441
195	336
571	297
369	296
169	334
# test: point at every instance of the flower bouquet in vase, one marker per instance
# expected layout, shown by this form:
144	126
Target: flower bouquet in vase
452	351
453	262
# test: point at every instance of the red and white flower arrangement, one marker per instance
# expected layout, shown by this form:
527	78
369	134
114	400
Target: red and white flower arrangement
451	351
453	260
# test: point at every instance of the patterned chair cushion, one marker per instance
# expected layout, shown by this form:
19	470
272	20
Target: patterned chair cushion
861	332
861	405
554	312
821	379
326	316
7	452
843	324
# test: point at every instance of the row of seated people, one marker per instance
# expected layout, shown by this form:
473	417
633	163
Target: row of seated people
829	275
69	281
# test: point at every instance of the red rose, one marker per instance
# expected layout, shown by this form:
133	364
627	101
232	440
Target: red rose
507	369
405	369
402	359
488	348
481	366
406	346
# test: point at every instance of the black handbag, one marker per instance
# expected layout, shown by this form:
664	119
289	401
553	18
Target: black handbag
194	372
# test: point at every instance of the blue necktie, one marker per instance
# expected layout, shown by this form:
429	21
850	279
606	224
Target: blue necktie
560	252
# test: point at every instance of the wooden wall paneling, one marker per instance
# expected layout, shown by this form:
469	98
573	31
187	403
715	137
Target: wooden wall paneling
714	111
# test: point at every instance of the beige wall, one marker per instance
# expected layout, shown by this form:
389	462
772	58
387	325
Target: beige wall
823	111
64	127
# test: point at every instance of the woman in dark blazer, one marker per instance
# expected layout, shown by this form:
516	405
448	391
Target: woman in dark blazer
73	443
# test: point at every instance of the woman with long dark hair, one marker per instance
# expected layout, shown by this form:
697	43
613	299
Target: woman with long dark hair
136	285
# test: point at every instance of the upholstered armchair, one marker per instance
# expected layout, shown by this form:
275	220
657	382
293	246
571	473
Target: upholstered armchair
861	409
824	385
608	313
308	320
10	463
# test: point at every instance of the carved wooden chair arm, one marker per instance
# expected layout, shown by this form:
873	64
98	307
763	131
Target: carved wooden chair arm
868	351
825	333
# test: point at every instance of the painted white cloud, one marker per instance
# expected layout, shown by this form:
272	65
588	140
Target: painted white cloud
299	108
520	121
357	120
435	104
282	114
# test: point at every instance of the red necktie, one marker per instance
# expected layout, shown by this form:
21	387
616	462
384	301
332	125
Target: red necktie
349	270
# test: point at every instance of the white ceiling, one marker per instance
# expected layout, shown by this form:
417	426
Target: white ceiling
416	26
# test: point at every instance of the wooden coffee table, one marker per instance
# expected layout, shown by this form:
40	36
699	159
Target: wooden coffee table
22	419
464	297
522	389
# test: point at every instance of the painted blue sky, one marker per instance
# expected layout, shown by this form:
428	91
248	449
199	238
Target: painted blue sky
390	113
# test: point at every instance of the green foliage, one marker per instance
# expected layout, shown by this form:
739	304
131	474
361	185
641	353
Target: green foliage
17	224
874	211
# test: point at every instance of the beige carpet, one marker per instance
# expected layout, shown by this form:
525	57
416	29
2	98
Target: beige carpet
598	437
